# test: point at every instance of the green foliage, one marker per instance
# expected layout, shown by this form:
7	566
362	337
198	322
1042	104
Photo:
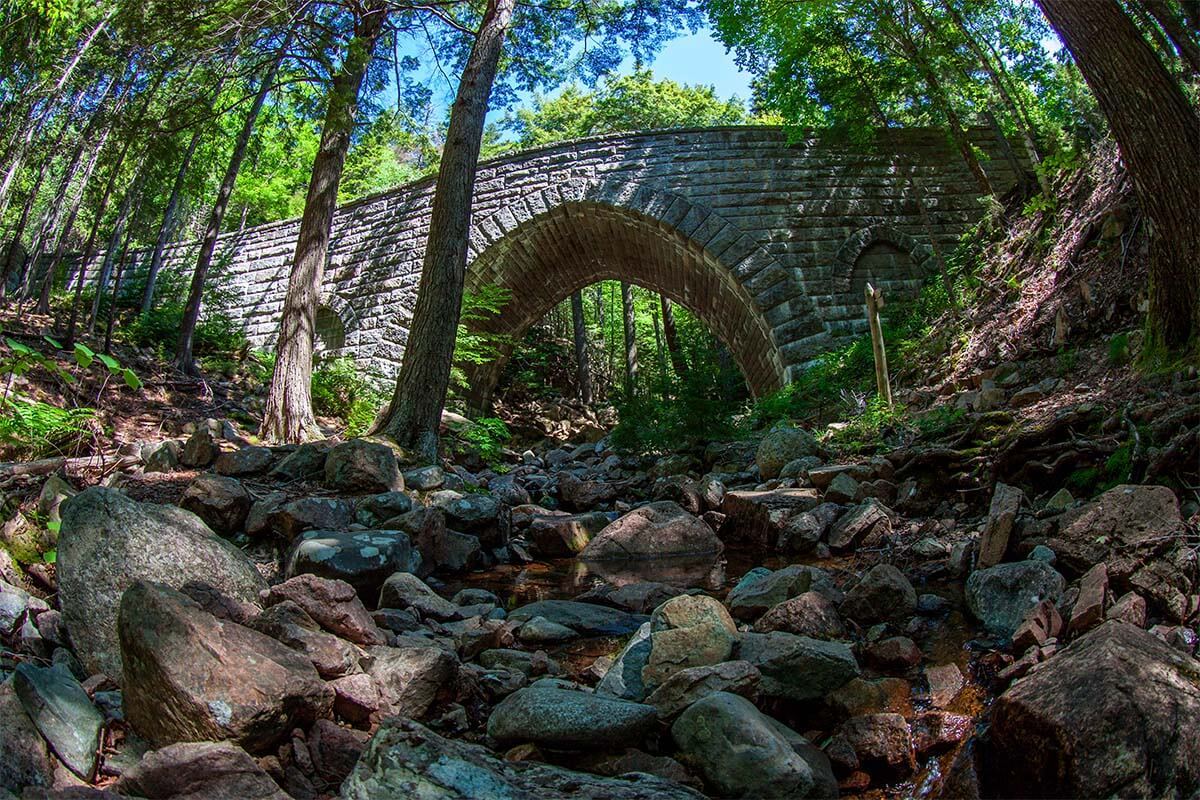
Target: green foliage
31	429
871	428
1118	349
340	390
651	424
632	102
473	346
1066	361
216	334
487	436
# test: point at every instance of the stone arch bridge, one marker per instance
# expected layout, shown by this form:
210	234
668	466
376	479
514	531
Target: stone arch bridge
766	240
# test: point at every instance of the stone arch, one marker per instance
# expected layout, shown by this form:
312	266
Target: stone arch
335	327
862	240
553	242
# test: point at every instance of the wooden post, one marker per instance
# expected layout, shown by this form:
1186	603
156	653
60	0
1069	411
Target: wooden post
874	303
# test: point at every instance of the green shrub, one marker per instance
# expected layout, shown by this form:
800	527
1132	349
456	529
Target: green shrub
655	425
1118	349
217	334
487	436
30	429
340	390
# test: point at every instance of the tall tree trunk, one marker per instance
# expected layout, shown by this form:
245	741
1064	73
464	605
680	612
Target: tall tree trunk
1184	40
670	332
582	371
168	221
660	356
414	414
14	255
112	253
288	415
1158	134
631	348
208	245
116	292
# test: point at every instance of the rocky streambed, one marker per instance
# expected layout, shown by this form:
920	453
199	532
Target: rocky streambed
754	620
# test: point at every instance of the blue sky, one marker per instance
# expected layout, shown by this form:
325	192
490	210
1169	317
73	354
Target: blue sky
693	59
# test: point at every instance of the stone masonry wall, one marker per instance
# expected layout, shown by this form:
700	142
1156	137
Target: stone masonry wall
774	228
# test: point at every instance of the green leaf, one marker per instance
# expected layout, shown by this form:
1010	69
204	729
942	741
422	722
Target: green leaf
131	379
113	365
50	556
54	525
50	340
84	355
17	347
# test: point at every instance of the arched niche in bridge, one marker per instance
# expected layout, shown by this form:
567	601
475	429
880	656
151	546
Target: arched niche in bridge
882	254
334	326
547	256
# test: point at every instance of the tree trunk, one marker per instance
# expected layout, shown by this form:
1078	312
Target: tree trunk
631	350
288	416
168	221
112	253
208	245
1158	134
414	414
1184	40
582	371
671	334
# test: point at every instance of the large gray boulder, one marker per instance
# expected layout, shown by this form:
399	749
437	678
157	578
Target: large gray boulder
797	667
1116	714
362	466
199	771
63	713
586	619
363	559
657	530
1002	595
407	760
783	445
744	753
108	542
565	718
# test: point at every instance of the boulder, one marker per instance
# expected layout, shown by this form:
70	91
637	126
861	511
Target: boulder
842	489
108	542
25	760
695	683
410	675
1001	596
468	511
586	619
564	535
743	753
199	771
245	461
759	518
883	594
425	479
782	445
1115	714
564	718
50	499
540	630
221	502
882	743
200	450
641	597
191	677
333	604
761	589
657	530
305	462
798	667
361	466
1123	527
363	559
624	677
687	631
406	591
307	513
163	457
405	759
993	542
378	508
289	624
809	614
865	525
585	495
63	713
